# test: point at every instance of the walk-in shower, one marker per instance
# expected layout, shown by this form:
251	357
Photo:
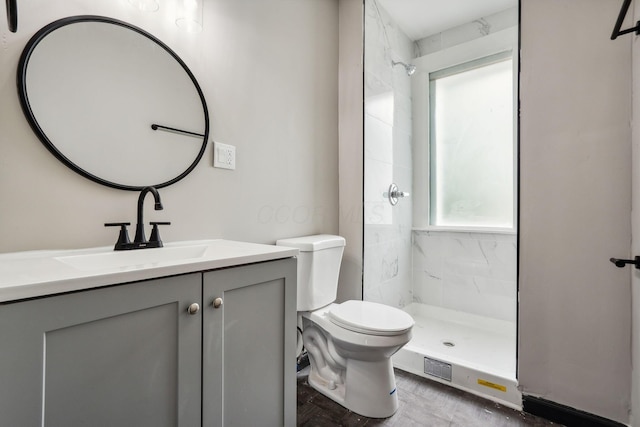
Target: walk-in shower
446	260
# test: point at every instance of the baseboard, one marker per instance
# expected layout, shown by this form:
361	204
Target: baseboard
566	415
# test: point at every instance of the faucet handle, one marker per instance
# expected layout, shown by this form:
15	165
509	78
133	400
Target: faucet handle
155	233
123	237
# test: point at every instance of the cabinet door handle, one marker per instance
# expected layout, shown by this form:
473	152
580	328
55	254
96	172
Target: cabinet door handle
217	303
193	308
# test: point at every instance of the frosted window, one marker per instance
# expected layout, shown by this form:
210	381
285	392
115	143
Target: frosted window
471	148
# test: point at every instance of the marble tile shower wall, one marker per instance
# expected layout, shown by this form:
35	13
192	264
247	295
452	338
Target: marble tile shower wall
387	231
470	272
470	31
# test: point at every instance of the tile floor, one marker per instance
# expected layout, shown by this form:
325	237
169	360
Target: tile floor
423	403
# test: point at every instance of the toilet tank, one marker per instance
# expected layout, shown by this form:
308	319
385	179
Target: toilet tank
318	268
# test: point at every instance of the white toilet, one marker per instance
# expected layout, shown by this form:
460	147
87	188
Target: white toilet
349	344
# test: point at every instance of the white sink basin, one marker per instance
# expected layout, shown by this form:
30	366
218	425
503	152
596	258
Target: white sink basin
34	274
139	258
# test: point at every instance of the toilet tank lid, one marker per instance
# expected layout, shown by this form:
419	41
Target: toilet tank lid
313	243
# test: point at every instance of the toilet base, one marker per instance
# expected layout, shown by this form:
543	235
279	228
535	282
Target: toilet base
369	388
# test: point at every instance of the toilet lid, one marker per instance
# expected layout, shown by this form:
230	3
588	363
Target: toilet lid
370	318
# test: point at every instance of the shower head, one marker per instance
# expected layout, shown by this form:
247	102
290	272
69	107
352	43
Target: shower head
410	68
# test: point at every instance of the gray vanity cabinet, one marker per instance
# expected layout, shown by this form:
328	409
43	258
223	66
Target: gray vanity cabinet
136	355
249	340
126	355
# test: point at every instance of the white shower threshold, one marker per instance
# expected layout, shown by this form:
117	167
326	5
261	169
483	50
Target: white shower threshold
480	350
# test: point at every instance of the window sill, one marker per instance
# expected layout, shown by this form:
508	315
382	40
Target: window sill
479	230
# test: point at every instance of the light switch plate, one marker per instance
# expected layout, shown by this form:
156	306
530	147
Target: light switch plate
224	156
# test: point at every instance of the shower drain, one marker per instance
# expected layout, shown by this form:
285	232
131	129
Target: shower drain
448	344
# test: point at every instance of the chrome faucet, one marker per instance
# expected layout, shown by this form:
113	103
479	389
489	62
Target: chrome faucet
140	241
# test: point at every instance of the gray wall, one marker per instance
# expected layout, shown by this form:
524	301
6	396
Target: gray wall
575	183
635	282
351	147
269	72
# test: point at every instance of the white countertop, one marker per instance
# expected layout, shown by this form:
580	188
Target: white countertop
39	273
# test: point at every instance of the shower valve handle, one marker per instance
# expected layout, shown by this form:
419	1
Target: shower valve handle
622	262
398	194
394	194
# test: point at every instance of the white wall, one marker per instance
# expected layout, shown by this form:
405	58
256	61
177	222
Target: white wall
269	72
575	311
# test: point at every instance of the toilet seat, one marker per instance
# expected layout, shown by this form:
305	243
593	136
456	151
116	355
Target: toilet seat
349	337
370	318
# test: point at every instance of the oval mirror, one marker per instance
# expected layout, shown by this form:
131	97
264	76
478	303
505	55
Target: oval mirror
112	102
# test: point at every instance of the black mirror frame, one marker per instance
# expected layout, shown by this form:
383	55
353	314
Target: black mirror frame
26	107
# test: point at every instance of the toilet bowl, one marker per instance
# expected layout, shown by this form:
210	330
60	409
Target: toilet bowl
352	365
349	344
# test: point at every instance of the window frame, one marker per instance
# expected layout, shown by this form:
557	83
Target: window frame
500	42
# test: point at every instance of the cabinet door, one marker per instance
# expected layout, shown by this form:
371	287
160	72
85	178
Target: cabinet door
127	355
249	342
